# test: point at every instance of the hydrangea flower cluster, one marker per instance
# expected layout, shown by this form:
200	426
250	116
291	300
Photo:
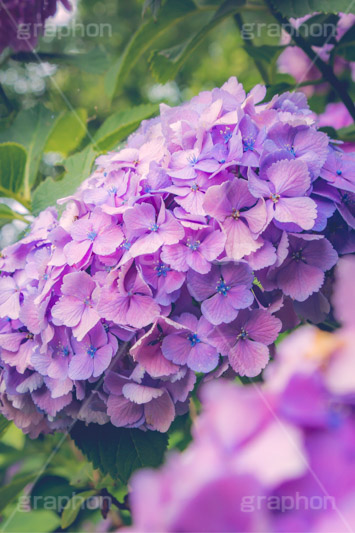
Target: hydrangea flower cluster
22	21
188	250
293	60
272	457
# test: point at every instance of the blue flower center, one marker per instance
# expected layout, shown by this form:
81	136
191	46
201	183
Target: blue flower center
193	245
227	136
222	287
192	160
275	197
154	227
339	172
45	277
195	187
126	245
297	256
243	334
92	351
92	235
113	190
65	351
193	338
248	144
162	270
87	301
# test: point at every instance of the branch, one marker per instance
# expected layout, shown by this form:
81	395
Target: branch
325	69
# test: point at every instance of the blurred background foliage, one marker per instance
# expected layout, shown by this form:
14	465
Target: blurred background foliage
59	108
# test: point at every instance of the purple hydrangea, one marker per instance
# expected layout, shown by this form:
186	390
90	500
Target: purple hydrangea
21	23
215	228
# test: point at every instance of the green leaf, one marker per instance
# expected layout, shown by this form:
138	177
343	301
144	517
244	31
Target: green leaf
96	61
346	45
118	126
299	8
170	14
38	521
31	128
7	215
153	5
347	134
165	64
267	53
49	486
68	131
9	492
13	159
4	423
78	168
330	131
72	509
325	26
120	451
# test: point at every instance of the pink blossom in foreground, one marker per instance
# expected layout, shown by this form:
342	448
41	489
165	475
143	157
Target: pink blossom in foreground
277	456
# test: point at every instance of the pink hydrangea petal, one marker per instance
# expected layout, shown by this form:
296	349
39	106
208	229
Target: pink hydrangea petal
107	242
175	256
240	240
142	311
81	366
75	251
176	348
140	394
102	360
160	412
248	358
289	177
123	412
300	280
218	309
89	319
203	358
68	310
263	327
301	211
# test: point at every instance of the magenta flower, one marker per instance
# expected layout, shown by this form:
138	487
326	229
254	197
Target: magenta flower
245	340
338	170
223	291
127	299
92	355
165	281
191	347
242	218
302	272
302	142
10	294
131	403
95	234
150	230
253	141
17	348
196	251
147	351
75	308
285	193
